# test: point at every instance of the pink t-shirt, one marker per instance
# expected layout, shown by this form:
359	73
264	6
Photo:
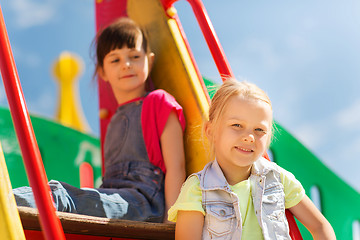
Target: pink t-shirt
156	109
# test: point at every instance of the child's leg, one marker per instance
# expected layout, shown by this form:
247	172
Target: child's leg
141	184
136	194
24	197
88	201
141	207
85	201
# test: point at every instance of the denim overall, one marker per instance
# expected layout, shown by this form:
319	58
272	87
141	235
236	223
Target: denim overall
223	218
132	188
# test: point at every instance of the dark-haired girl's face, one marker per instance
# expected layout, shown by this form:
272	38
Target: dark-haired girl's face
126	70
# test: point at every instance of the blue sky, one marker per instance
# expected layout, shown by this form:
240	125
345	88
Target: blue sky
304	54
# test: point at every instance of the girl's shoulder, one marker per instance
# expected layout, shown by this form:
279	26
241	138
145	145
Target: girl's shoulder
262	166
160	95
191	188
192	181
160	104
288	180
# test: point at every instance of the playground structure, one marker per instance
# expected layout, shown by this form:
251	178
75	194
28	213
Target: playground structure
175	71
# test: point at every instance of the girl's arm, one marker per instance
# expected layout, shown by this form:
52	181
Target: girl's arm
307	213
189	225
172	147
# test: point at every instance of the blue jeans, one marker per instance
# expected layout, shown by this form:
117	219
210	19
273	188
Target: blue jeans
132	191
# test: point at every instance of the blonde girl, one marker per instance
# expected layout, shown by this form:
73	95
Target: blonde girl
241	195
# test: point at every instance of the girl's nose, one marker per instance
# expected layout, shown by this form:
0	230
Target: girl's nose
126	64
248	137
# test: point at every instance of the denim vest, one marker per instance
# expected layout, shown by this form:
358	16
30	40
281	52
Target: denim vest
223	218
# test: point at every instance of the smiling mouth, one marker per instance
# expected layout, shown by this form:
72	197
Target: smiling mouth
128	76
244	149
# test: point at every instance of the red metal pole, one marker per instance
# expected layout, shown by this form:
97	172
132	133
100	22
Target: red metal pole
211	39
209	33
50	223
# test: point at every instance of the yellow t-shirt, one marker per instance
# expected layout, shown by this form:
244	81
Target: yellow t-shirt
190	199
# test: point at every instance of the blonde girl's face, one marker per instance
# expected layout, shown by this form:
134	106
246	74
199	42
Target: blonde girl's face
241	134
127	69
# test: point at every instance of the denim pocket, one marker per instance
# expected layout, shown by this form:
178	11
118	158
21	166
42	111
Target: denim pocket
220	219
274	202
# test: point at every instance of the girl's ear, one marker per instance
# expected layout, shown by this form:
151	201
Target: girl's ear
101	73
208	130
151	59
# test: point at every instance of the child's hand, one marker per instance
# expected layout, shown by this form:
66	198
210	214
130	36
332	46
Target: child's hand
307	213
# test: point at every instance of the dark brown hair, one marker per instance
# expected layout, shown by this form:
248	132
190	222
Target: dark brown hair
122	32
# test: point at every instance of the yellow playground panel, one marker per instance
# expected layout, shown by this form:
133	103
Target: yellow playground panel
10	224
175	72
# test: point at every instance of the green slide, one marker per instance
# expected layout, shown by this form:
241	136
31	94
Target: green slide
62	149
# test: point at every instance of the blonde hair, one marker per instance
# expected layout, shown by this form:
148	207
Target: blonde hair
232	87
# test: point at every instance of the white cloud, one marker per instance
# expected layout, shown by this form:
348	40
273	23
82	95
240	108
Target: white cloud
265	52
301	48
344	161
349	118
32	59
43	105
350	151
310	23
317	133
29	13
26	57
312	135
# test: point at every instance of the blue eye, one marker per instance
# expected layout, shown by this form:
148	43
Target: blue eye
236	125
260	130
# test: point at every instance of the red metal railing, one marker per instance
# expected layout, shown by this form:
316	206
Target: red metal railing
50	223
209	33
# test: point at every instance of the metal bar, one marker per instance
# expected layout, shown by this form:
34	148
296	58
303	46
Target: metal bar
32	159
209	33
211	39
